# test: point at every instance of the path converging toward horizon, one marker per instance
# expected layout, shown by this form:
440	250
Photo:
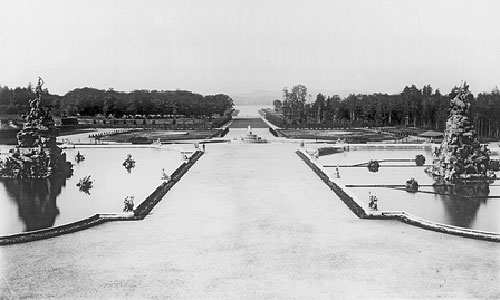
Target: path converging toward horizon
251	222
245	122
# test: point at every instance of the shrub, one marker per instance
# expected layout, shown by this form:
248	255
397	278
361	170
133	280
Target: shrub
419	160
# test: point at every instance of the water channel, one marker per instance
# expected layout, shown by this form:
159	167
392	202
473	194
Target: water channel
473	206
43	203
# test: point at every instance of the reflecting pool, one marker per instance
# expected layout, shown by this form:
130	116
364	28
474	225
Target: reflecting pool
472	206
39	204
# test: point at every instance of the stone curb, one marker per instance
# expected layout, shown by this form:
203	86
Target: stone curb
353	205
143	209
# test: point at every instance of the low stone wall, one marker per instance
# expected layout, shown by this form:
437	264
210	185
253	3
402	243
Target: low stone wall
330	150
281	134
444	228
362	211
52	232
111	132
141	211
345	197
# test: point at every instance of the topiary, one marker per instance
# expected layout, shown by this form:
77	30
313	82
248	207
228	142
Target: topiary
373	166
419	160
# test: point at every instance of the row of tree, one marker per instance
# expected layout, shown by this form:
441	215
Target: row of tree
423	108
93	102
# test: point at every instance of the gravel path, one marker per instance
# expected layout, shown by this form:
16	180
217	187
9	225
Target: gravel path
251	222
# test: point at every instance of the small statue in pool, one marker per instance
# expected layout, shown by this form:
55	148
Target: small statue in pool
164	176
85	184
372	201
337	173
129	162
411	185
373	165
79	157
419	160
128	204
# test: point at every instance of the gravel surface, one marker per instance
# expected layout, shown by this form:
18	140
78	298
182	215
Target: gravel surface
251	222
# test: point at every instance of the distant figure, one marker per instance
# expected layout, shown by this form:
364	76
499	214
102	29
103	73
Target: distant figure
249	130
203	147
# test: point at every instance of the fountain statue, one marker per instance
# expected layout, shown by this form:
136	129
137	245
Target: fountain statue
461	156
85	184
251	138
129	162
37	154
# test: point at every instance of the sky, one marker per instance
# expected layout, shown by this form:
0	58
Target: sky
222	46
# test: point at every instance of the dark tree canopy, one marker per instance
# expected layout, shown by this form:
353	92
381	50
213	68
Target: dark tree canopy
424	108
92	102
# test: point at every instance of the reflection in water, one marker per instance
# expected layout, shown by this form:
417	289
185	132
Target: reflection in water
36	200
462	200
474	205
111	184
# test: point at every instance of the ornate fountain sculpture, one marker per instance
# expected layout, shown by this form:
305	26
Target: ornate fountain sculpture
37	154
85	184
251	138
461	157
129	162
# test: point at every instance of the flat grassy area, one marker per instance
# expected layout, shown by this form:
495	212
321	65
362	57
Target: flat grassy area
163	135
354	135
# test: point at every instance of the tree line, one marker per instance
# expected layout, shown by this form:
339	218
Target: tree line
422	108
93	102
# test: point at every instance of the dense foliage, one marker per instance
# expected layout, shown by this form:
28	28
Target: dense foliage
413	107
92	102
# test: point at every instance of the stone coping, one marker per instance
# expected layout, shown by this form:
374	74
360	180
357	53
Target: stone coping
63	229
139	213
271	125
361	209
435	226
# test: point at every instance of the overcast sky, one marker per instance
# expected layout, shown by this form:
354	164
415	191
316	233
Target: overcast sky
220	46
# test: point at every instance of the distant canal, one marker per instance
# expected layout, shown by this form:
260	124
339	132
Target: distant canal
473	206
38	204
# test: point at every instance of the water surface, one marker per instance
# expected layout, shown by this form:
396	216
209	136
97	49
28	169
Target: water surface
40	204
472	206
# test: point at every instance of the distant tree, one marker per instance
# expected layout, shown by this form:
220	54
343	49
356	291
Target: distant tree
293	104
319	107
495	91
277	105
427	90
